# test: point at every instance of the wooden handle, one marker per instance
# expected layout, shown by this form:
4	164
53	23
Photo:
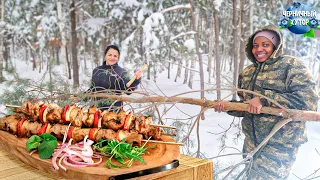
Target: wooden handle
134	77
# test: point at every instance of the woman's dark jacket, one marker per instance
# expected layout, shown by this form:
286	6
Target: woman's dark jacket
108	79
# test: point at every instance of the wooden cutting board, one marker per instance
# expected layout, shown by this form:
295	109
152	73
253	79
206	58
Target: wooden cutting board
160	155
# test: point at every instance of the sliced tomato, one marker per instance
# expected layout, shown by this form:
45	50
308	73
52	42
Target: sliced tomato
42	108
120	135
19	127
63	116
43	129
69	135
97	116
128	121
92	133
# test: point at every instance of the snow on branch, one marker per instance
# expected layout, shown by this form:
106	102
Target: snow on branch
177	7
182	34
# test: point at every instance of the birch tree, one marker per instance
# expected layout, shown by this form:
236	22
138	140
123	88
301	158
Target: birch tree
63	40
2	44
235	47
75	65
217	52
242	36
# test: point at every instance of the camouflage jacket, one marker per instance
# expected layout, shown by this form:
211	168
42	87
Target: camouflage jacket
285	80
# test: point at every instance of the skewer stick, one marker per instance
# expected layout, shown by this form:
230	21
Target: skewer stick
163	142
167	134
156	125
12	106
163	126
134	77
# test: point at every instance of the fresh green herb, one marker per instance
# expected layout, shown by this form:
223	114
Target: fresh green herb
121	151
45	143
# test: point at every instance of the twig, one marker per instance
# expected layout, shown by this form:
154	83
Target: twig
227	155
198	118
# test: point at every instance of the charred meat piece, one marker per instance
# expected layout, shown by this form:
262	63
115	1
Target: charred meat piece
78	134
154	132
58	130
25	108
106	134
52	113
110	121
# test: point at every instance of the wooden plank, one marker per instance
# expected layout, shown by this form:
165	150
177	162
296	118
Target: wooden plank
13	168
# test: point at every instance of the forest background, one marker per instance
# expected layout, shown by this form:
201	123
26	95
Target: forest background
193	48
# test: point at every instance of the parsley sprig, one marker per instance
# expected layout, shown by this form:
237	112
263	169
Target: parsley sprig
121	151
45	143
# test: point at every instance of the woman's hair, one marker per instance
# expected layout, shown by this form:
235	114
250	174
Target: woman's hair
111	47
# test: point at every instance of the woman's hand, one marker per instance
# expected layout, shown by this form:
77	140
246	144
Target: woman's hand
254	105
138	74
219	106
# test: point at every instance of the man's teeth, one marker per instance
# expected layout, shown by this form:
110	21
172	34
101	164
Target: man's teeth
261	55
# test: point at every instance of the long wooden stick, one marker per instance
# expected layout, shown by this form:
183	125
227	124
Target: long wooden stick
134	77
163	142
296	115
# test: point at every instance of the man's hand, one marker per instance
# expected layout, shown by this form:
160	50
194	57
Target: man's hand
254	105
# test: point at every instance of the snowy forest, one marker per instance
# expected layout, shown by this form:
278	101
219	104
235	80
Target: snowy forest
193	48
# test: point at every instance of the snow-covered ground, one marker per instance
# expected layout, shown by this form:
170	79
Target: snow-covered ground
308	159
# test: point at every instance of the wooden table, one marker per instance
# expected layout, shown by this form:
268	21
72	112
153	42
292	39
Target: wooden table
190	168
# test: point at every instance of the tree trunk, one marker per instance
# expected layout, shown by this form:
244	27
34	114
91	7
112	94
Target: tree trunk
149	70
68	64
6	54
41	60
193	66
63	41
155	72
169	64
242	39
2	44
75	65
217	54
83	41
235	47
210	41
186	72
33	60
178	71
197	41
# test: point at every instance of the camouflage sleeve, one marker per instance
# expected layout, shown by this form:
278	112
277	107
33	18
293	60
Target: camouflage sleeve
240	95
301	90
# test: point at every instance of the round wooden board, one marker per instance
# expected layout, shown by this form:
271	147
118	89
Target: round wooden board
160	155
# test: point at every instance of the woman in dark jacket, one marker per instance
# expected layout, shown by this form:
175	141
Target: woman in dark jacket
110	78
285	80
